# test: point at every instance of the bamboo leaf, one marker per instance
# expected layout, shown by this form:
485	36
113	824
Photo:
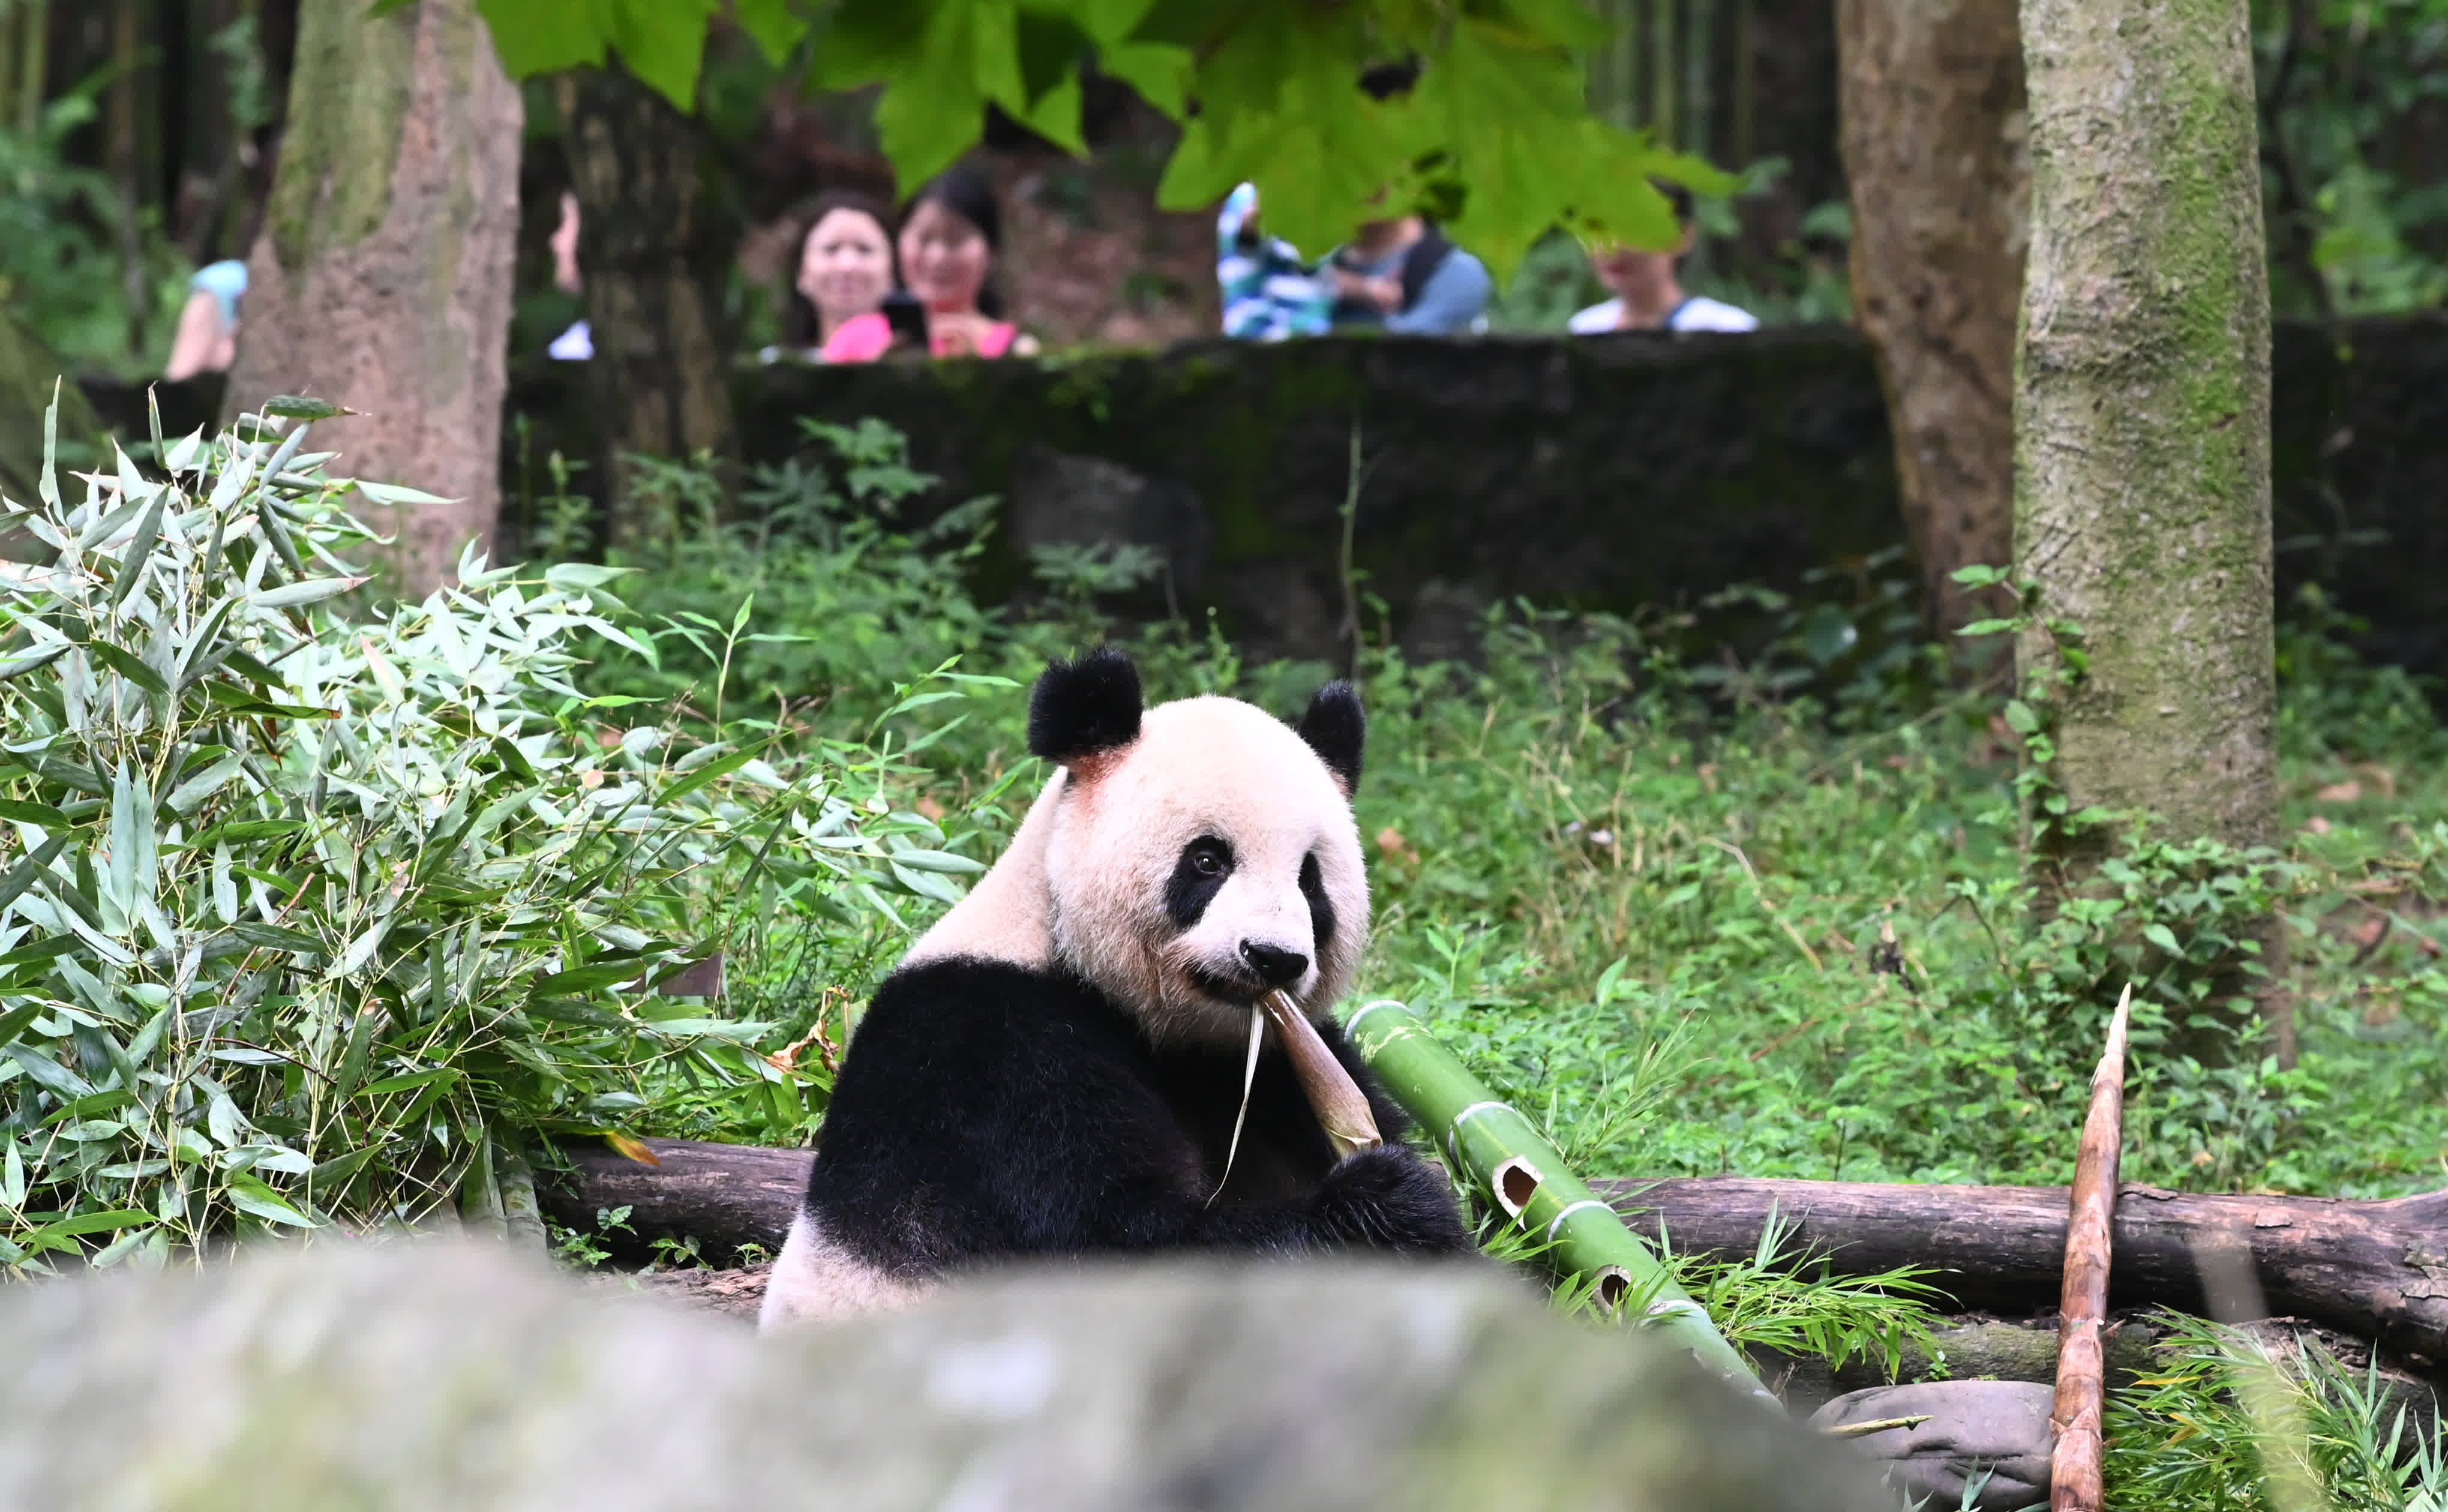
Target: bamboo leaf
300	407
134	868
228	1125
24	873
252	1197
337	1171
20	663
277	937
48	1073
586	979
224	886
186	795
128	665
712	772
84	1223
312	590
392	493
413	1079
939	861
140	549
362	948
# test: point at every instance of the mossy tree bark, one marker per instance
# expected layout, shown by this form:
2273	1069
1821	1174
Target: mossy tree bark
30	376
652	247
382	279
1933	122
2142	422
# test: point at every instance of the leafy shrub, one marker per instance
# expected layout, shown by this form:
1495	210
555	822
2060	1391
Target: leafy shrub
312	919
846	603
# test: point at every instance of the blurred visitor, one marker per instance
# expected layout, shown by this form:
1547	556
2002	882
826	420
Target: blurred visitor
1648	296
576	344
949	235
1269	293
207	336
845	269
1403	275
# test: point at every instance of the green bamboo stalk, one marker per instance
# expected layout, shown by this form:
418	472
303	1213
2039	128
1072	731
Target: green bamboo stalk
33	62
1504	1153
1663	116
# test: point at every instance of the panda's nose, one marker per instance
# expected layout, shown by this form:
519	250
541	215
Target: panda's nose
1275	966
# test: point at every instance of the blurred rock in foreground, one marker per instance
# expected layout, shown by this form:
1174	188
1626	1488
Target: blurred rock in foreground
425	1376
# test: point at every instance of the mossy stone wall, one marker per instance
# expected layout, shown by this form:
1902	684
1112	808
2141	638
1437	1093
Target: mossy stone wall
1605	471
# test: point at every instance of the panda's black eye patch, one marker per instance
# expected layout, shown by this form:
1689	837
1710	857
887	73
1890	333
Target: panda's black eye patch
1197	876
1321	908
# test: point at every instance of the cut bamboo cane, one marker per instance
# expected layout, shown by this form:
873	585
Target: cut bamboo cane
1492	1143
1340	1107
2076	1467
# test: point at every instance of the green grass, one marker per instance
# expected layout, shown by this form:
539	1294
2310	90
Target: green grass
1578	865
1564	881
1610	841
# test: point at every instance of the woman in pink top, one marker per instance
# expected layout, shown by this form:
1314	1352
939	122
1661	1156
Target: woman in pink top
845	269
947	243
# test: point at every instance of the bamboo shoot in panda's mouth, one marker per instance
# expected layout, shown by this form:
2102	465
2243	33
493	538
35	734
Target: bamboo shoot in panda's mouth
1340	1107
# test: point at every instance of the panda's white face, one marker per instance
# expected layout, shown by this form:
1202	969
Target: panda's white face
1211	859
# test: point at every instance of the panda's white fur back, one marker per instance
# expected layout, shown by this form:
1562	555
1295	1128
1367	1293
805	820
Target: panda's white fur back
815	1280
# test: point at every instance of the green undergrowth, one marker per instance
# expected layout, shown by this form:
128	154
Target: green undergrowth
1761	914
1787	882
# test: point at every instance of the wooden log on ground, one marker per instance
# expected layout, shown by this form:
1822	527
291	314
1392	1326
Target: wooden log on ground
2372	1270
723	1196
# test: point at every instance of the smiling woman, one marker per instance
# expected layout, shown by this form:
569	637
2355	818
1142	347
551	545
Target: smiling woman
845	268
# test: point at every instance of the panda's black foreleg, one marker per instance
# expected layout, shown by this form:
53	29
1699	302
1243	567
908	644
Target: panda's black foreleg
1385	1199
1389	1198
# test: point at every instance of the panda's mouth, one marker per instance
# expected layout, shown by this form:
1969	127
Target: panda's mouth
1227	986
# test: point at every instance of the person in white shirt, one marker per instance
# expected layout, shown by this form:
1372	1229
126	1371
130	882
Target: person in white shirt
1648	296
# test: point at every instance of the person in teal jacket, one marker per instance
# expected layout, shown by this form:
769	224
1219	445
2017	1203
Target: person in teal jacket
207	336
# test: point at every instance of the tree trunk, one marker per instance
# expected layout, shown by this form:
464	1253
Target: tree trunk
2142	444
652	249
382	279
123	153
30	374
1933	124
2372	1270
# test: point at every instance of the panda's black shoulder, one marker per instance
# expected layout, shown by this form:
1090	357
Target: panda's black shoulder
963	1018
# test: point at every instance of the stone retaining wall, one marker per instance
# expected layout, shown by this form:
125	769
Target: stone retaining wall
1599	471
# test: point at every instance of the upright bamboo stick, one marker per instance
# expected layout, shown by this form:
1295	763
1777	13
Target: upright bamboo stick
2075	1469
1499	1149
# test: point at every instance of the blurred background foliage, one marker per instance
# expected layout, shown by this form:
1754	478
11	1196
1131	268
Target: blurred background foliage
137	136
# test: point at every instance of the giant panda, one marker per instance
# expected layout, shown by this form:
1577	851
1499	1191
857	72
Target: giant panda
1056	1068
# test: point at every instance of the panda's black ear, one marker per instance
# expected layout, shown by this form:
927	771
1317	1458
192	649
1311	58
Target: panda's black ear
1081	708
1336	730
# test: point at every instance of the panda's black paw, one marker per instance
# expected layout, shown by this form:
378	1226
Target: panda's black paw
1389	1198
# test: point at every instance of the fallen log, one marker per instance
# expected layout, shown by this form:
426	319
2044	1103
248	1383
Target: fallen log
2371	1270
723	1196
2374	1270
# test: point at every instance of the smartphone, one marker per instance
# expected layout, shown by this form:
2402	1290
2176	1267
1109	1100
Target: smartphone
907	315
